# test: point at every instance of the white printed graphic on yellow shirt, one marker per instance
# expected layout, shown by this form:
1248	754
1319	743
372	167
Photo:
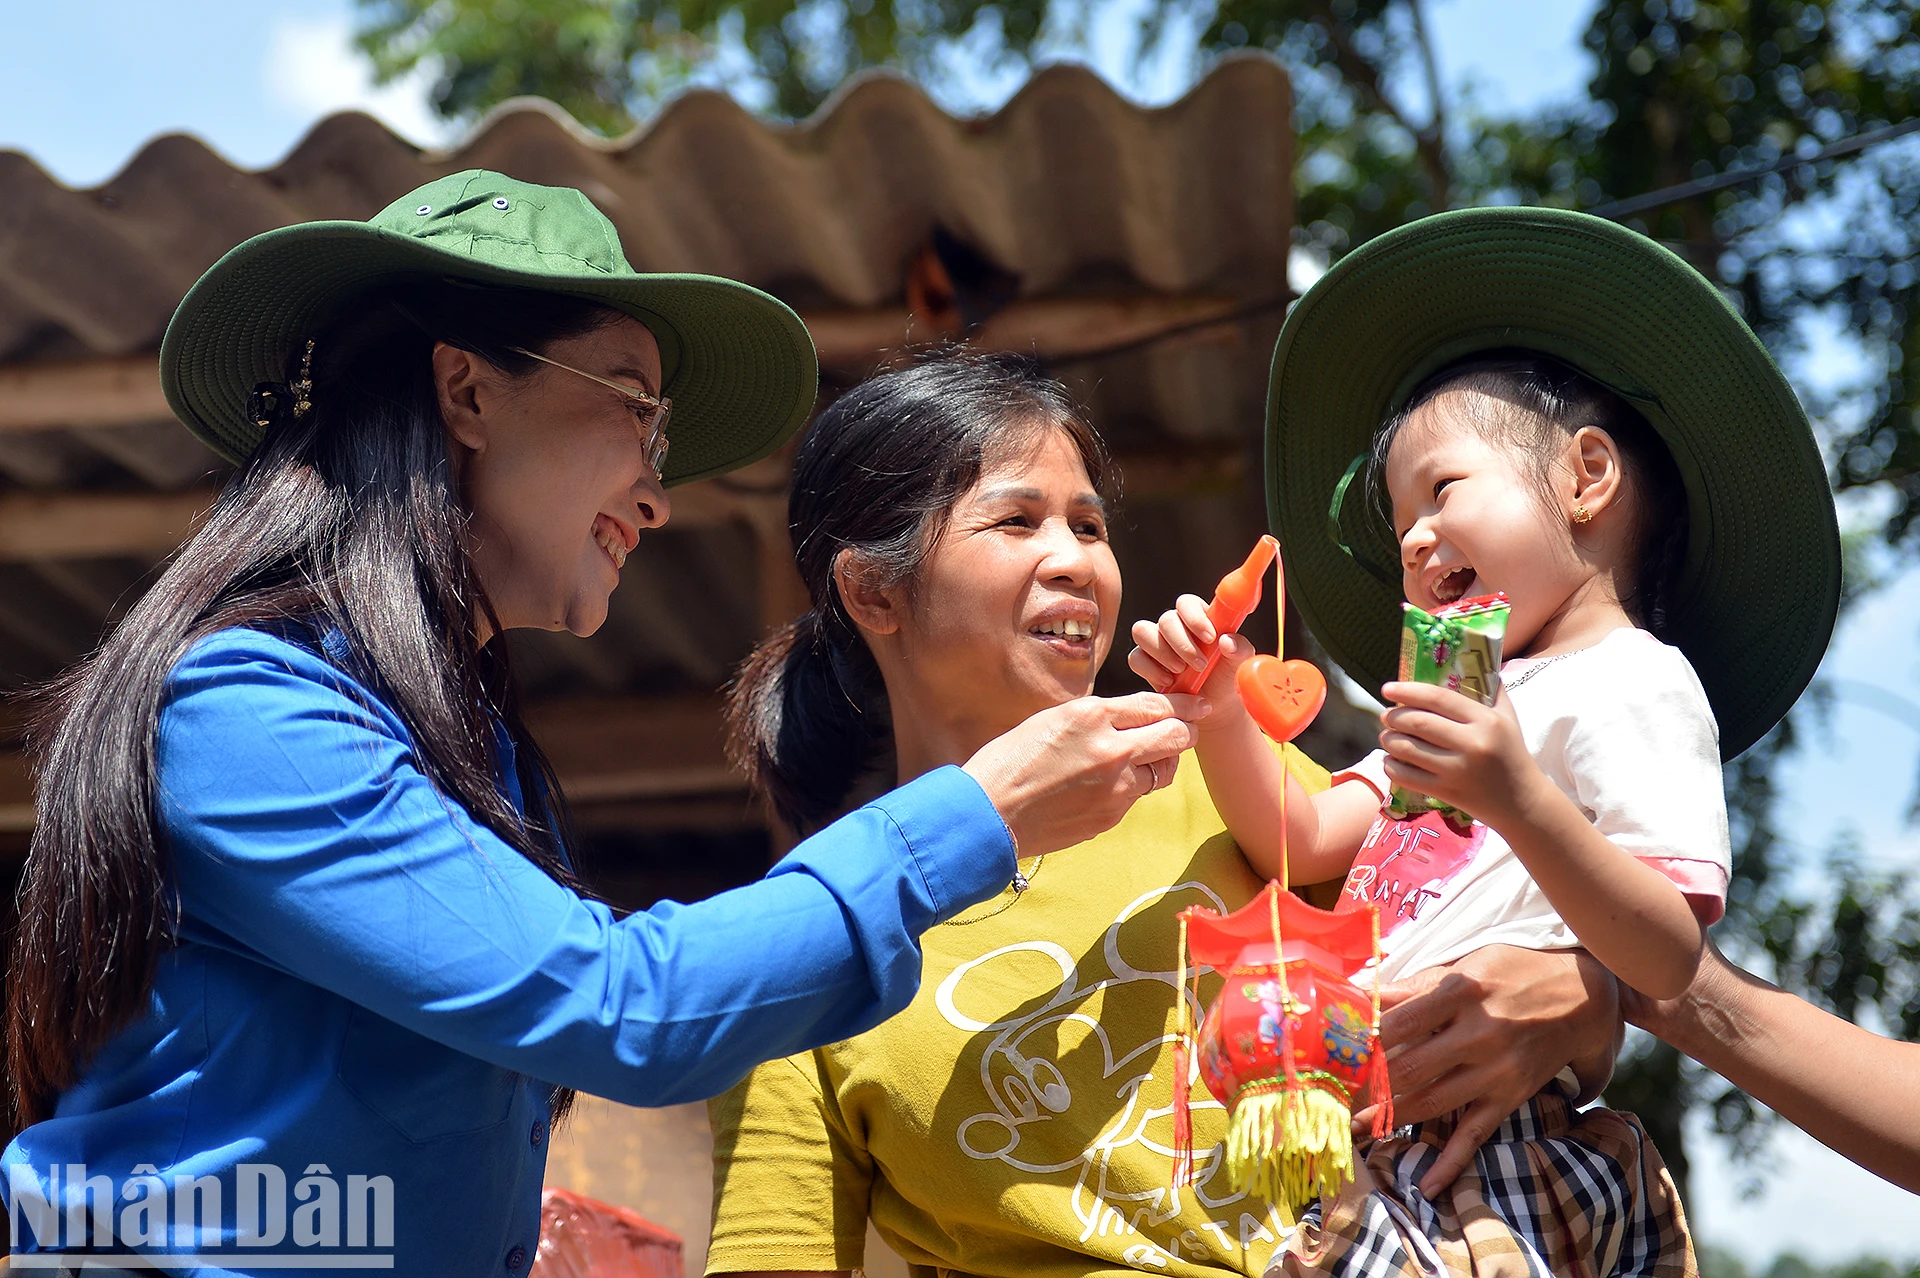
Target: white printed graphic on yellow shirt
1032	1097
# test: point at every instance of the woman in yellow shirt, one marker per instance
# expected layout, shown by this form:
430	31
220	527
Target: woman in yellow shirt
949	522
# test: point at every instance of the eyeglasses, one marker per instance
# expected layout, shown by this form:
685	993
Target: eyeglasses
651	411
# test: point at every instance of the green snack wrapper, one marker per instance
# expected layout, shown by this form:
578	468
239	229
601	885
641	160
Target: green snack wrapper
1456	647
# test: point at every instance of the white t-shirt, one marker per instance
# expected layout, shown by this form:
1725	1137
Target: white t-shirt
1625	730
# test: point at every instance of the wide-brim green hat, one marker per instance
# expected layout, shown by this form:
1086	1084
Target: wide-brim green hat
737	363
1760	586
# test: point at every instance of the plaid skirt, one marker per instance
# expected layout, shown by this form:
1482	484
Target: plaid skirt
1553	1194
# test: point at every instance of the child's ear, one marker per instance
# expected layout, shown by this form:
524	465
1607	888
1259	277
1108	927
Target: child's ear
873	609
1598	478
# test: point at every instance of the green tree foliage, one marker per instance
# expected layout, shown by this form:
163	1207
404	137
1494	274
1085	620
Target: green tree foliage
609	61
1681	90
582	56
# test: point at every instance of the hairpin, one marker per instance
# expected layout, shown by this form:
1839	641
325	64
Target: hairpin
269	400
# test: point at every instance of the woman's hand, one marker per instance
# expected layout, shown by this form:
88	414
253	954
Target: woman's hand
1179	642
1072	771
1485	1033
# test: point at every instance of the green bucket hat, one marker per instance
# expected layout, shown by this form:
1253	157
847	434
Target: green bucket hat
737	363
1761	582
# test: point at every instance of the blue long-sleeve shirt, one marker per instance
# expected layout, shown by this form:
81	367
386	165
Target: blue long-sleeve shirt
369	984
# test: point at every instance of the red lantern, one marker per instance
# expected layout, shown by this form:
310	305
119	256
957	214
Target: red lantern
1291	1043
1289	1047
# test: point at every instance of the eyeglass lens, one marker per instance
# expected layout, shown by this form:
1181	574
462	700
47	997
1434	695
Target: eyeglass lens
654	423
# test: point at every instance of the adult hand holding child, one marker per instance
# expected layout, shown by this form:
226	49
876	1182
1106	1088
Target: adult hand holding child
1483	1035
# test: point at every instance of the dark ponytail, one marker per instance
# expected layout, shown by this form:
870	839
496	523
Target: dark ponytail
347	517
876	476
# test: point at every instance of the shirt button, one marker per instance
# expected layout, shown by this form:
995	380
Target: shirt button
538	1134
516	1258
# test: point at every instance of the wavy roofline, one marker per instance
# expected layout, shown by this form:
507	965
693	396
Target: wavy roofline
815	127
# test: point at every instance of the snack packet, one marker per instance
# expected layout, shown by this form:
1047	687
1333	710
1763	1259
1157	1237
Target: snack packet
1456	647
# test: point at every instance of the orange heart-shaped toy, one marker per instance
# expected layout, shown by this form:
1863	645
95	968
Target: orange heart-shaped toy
1282	696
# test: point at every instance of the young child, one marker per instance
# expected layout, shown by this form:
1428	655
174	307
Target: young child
1595	775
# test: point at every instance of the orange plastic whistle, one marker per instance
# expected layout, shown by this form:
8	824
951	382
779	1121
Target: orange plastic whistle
1233	602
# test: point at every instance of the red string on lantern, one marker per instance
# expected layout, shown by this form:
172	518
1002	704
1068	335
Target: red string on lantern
1284	1047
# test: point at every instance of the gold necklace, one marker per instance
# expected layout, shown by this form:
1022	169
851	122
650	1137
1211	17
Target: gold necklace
1541	663
1021	882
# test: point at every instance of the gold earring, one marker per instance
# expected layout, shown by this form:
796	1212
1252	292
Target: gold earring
1580	513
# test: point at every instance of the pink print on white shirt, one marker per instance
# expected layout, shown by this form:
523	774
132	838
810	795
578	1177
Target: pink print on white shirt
1405	864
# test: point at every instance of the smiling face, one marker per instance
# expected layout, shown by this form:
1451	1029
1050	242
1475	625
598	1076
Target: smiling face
1472	517
553	466
1015	607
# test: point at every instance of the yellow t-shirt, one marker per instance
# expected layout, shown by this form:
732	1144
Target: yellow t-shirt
1015	1119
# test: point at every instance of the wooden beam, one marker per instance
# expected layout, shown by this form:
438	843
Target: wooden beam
714	813
90	525
1203	468
16	794
1058	327
1055	327
626	752
81	525
112	390
123	390
626	749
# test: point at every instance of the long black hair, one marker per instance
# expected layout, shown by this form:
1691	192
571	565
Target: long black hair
877	475
1546	402
348	517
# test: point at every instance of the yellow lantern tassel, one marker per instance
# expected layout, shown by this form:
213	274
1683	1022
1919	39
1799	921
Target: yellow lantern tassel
1182	1067
1290	1145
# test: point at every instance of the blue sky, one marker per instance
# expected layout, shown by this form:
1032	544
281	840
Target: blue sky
85	83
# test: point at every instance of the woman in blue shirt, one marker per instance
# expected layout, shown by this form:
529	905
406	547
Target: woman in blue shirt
302	975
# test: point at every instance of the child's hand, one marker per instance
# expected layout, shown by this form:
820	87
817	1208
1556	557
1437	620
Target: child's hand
1451	748
1179	643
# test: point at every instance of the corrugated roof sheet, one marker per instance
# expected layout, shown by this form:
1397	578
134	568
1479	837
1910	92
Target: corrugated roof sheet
1070	188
